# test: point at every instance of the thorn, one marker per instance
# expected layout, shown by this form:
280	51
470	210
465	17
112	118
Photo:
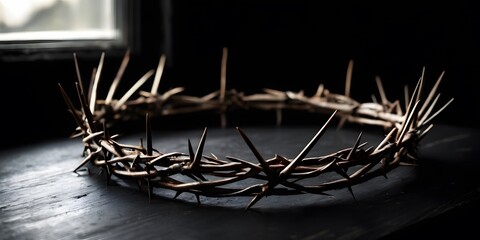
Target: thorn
150	190
257	154
351	192
253	201
198	199
118	77
93	96
307	148
132	90
198	153
149	135
348	78
177	194
158	74
190	152
355	146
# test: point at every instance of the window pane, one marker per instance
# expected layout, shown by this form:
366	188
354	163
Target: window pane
31	20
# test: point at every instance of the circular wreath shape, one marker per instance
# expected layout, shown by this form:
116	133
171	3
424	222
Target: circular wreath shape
214	176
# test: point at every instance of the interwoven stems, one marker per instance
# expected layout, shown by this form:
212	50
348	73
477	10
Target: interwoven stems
212	176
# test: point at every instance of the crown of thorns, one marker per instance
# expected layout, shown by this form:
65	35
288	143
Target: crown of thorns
212	176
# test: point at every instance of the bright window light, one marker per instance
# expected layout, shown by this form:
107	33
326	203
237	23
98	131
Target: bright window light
45	20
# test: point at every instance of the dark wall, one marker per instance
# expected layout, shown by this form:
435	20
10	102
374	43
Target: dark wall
285	45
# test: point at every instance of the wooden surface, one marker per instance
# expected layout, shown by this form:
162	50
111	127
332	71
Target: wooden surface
40	197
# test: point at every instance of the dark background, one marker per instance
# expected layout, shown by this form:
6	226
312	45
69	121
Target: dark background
284	45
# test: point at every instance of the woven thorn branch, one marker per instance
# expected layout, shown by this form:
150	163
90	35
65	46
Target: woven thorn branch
211	176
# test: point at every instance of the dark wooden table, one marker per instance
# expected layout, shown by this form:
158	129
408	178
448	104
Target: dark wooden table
42	199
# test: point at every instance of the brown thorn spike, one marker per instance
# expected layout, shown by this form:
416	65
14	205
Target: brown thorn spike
150	190
420	88
177	193
257	154
307	149
355	146
257	197
132	90
406	96
223	86
199	152
407	124
70	106
438	112
86	110
432	93
158	75
96	80
77	70
381	90
190	151
410	104
118	77
149	135
348	78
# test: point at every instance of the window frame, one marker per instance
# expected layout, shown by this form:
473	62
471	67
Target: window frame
125	19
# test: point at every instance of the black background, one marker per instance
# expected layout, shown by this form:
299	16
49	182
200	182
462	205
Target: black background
284	45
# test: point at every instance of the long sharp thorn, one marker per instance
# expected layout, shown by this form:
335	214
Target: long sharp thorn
223	75
259	157
381	90
93	96
198	199
307	148
77	70
190	151
424	132
223	86
438	112
198	153
340	171
430	109
177	194
406	96
355	146
420	87
158	74
348	78
69	103
386	139
432	93
86	110
118	77
254	200
149	136
150	189
84	161
351	192
410	105
132	90
407	123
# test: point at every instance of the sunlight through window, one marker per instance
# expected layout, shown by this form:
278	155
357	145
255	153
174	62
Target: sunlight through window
45	20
